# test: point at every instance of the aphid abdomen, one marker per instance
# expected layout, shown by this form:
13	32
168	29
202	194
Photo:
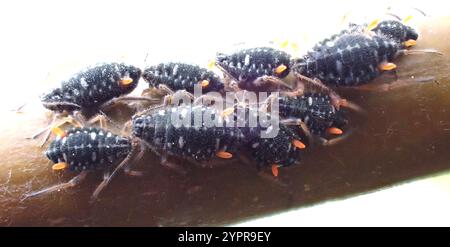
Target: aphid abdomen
279	150
348	60
180	76
94	86
184	139
314	109
88	148
247	65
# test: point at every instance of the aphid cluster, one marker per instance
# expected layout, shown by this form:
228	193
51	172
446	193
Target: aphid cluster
352	57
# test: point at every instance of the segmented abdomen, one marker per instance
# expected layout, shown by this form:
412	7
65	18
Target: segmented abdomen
279	150
192	140
348	60
247	65
93	86
179	76
314	109
88	148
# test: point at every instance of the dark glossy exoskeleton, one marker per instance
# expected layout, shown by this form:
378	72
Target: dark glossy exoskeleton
285	149
83	150
88	148
93	87
196	141
248	67
349	59
202	143
315	110
181	76
397	31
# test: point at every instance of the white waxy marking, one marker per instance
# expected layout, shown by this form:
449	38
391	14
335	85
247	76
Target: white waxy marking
109	134
181	142
247	60
83	82
161	112
93	136
310	101
175	70
330	43
339	67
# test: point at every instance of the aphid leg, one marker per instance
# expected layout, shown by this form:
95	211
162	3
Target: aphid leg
171	165
111	103
72	183
271	177
301	124
127	168
267	103
335	140
70	120
175	97
405	52
298	91
206	98
106	180
271	80
19	109
101	119
384	87
352	106
336	100
40	132
165	89
153	108
126	128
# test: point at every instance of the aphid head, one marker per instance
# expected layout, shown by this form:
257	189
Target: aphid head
299	65
222	60
143	127
129	77
57	101
396	30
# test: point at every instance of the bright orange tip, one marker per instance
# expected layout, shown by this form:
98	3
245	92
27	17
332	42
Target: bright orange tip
298	144
59	166
58	132
204	83
126	81
275	170
335	131
224	155
388	66
280	69
409	43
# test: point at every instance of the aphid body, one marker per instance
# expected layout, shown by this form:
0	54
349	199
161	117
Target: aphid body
93	87
88	149
315	110
199	142
248	65
349	59
181	76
